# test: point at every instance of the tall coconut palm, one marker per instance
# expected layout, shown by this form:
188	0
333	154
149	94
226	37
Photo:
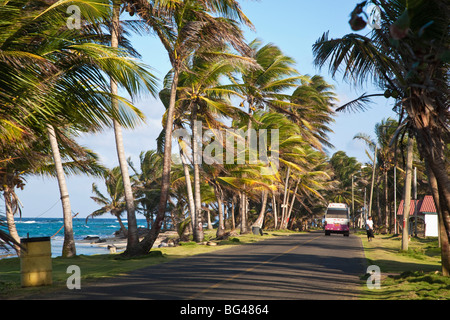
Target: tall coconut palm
180	123
207	100
408	58
266	87
132	235
69	241
184	28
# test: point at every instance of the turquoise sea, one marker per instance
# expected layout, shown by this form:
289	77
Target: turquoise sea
48	227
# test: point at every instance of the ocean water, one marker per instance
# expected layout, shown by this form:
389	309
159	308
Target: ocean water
48	227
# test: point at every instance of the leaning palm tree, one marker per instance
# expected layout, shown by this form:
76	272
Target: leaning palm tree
286	156
184	28
132	235
407	57
314	100
67	87
266	87
8	241
37	159
307	183
343	168
207	101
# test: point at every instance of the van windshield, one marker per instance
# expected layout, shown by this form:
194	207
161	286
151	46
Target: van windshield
337	213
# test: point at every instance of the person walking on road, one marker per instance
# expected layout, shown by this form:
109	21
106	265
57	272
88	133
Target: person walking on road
369	229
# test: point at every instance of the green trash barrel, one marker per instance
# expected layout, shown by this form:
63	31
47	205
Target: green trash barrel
257	231
36	262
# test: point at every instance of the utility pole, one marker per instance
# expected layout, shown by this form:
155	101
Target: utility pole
365	206
353	202
415	201
373	180
407	194
395	198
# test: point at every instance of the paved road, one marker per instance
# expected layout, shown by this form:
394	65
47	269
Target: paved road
302	266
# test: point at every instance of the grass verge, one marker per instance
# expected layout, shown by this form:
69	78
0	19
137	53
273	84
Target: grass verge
406	275
96	267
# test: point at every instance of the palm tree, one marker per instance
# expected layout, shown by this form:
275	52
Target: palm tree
314	100
291	156
240	179
385	155
36	159
184	29
132	235
406	57
265	88
344	167
7	240
202	94
115	204
67	86
212	177
69	241
309	183
147	183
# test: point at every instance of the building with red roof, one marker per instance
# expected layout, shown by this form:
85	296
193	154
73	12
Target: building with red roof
426	211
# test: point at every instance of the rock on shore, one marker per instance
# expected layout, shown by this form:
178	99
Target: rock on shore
119	242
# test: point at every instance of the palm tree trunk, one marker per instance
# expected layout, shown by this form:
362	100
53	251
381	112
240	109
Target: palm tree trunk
208	215
241	211
244	214
283	207
198	225
259	221
443	182
443	239
431	139
226	214
283	224
274	208
122	226
147	243
386	200
373	180
437	165
221	228
407	194
379	218
233	206
10	218
68	249
187	177
288	216
132	238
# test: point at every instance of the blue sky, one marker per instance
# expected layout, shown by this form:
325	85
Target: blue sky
292	25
